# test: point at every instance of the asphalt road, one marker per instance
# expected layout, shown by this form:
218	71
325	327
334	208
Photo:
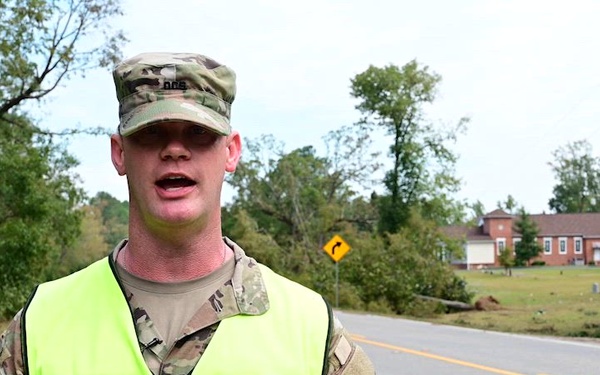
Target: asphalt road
399	346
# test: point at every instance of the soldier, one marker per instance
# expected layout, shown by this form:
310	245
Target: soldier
176	297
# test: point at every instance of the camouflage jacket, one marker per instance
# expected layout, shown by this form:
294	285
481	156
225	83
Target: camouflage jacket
345	357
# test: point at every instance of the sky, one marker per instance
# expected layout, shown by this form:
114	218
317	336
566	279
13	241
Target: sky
525	72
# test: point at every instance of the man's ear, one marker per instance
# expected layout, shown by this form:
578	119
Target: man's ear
117	154
234	151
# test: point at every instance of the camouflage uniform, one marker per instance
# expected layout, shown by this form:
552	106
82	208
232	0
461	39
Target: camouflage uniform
251	299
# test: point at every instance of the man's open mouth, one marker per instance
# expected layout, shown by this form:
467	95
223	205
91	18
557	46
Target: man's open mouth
174	182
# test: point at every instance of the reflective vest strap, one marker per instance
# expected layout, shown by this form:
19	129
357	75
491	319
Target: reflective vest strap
290	338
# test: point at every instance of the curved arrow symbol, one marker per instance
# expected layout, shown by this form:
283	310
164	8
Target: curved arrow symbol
337	244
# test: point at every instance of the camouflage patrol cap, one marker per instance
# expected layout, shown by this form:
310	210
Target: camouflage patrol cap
157	87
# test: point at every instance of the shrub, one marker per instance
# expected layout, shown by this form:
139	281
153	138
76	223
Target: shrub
380	306
424	309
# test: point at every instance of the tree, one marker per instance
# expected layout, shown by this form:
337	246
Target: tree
289	204
443	210
114	215
528	248
578	179
38	196
89	246
477	212
507	260
44	42
422	165
510	205
408	263
299	196
255	242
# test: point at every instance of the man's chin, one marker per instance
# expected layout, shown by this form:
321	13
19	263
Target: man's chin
176	215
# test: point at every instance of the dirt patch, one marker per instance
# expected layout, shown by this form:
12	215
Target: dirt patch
488	303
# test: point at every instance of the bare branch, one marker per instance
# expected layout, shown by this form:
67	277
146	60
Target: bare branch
41	46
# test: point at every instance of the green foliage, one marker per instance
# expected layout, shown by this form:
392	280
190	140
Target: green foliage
507	259
443	210
528	248
424	309
44	42
510	205
367	266
373	275
421	250
349	298
578	179
289	204
299	196
411	262
290	196
477	210
114	215
394	98
257	244
392	214
104	223
380	306
89	246
37	216
41	44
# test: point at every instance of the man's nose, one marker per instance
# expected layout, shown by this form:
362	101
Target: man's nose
175	148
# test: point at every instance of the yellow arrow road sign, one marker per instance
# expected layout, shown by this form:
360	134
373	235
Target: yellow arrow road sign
336	248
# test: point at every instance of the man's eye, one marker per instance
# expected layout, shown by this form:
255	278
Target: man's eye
151	130
201	137
197	130
147	136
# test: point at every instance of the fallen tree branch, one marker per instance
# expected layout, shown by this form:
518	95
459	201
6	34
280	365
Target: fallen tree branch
453	304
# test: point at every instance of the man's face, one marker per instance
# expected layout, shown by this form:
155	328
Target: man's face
175	172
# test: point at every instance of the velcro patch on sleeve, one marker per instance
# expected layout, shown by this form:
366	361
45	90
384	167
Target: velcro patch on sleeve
343	350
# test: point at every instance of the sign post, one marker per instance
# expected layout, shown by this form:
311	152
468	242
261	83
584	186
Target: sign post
337	248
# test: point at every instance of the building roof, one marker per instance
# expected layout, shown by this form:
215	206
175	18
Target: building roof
584	225
497	214
466	232
549	225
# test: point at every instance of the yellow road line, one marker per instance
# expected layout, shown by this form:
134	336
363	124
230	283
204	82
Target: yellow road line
433	356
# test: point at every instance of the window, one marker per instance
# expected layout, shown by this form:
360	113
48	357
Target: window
515	244
562	245
500	244
578	245
547	245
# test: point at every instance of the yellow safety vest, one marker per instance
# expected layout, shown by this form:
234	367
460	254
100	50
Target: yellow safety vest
82	324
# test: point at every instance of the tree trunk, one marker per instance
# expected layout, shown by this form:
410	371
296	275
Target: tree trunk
453	304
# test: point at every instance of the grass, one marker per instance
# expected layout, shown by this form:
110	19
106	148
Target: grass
555	301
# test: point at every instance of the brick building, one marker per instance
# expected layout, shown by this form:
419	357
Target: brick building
567	239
